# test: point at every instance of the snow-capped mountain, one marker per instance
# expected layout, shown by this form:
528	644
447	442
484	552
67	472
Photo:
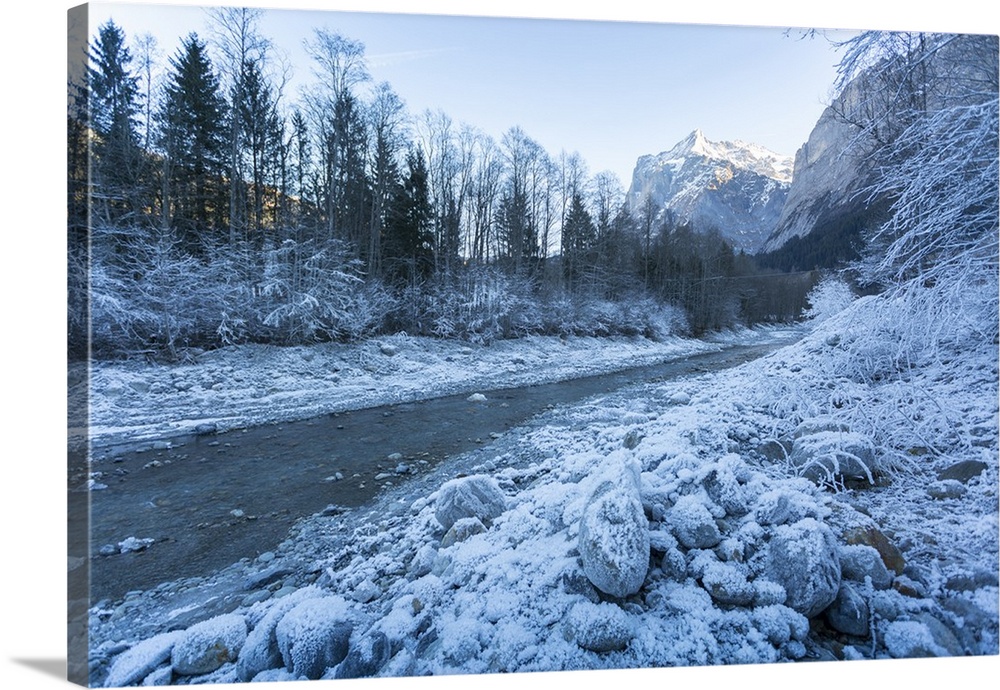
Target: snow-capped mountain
736	187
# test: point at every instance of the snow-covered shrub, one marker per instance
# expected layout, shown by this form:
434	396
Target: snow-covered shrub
831	296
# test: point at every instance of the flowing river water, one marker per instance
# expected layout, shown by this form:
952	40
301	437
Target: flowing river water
209	501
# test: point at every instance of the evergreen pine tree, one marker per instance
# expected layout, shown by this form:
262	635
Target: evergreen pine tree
193	138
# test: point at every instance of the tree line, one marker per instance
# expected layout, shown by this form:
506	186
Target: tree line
207	207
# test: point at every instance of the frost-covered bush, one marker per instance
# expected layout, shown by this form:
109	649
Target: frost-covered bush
831	296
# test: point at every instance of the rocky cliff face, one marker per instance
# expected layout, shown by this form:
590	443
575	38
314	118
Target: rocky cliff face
735	187
829	174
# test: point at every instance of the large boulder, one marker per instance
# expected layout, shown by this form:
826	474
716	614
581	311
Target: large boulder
206	646
614	536
835	456
260	651
314	636
478	496
134	664
803	558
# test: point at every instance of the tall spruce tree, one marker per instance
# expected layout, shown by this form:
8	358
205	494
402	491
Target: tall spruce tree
193	139
409	251
114	107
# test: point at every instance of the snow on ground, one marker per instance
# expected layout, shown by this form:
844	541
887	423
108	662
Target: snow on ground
877	554
248	385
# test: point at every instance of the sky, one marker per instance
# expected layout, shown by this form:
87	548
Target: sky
610	90
32	353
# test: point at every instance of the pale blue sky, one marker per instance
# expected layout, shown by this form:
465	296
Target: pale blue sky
611	90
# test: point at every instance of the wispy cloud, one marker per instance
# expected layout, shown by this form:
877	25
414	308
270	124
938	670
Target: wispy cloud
393	59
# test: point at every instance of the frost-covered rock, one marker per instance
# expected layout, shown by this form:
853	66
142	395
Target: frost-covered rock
849	612
693	524
875	538
962	471
601	627
945	489
614	536
477	398
158	678
913	638
366	591
260	651
780	624
478	496
463	529
313	636
723	486
206	646
366	658
728	584
679	398
802	558
131	544
827	456
134	664
859	561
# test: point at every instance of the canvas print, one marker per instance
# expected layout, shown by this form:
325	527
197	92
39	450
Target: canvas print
406	345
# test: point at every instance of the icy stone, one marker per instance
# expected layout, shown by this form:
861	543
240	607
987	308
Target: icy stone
133	544
728	584
478	496
260	651
160	677
859	561
423	561
834	455
872	536
725	490
477	398
632	439
139	661
314	636
692	524
679	398
366	591
206	646
366	658
946	489
462	530
388	350
914	638
802	558
205	429
849	612
601	627
614	536
780	624
394	457
963	471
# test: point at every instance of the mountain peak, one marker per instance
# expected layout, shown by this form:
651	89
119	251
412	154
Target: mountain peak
740	154
736	187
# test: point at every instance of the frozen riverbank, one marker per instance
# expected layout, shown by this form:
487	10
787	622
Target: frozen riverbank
250	385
